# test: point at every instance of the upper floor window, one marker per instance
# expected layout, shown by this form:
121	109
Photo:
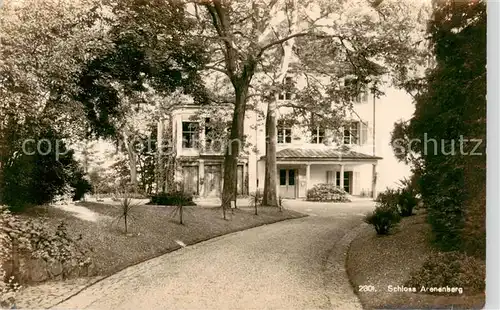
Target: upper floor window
287	94
317	135
284	133
190	134
360	89
351	133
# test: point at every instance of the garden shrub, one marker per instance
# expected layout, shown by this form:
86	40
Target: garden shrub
408	195
402	199
452	269
175	198
35	179
8	290
80	186
444	197
389	197
384	218
33	251
327	192
407	202
453	106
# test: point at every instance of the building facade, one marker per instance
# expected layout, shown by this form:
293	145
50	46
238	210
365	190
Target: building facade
306	155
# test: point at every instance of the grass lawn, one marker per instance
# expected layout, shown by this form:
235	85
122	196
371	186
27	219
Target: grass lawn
381	261
153	230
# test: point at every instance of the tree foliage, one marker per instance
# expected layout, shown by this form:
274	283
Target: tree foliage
150	49
260	39
35	173
452	110
40	57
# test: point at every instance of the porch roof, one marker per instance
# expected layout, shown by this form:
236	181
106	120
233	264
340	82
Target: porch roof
292	154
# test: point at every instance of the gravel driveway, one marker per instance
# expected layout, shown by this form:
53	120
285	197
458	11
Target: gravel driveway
296	264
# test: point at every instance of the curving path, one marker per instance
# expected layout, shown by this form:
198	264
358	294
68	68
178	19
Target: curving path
296	264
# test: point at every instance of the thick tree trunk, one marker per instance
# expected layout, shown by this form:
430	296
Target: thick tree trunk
235	145
270	191
132	157
133	170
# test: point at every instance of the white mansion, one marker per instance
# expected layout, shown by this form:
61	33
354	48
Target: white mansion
305	157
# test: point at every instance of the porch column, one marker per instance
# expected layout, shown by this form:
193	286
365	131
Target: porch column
308	176
374	181
342	176
201	177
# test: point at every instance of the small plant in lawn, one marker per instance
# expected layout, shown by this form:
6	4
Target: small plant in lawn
126	211
383	219
256	200
179	200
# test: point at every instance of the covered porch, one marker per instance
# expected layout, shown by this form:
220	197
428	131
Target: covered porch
301	169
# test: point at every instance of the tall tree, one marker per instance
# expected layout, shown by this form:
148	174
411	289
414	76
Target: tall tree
150	56
450	123
41	54
252	37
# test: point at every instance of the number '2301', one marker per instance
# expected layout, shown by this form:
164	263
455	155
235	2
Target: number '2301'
366	288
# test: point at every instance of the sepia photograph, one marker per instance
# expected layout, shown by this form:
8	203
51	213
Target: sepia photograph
244	154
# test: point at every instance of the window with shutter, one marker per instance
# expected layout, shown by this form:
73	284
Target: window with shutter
287	94
352	133
359	89
284	132
329	177
356	188
317	135
364	133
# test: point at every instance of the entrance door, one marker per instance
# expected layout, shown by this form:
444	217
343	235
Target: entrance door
190	177
212	180
347	180
287	183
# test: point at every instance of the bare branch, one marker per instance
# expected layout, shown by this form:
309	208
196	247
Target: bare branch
221	26
216	69
280	41
296	35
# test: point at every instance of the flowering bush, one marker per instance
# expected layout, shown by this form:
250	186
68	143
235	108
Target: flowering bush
327	192
8	289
